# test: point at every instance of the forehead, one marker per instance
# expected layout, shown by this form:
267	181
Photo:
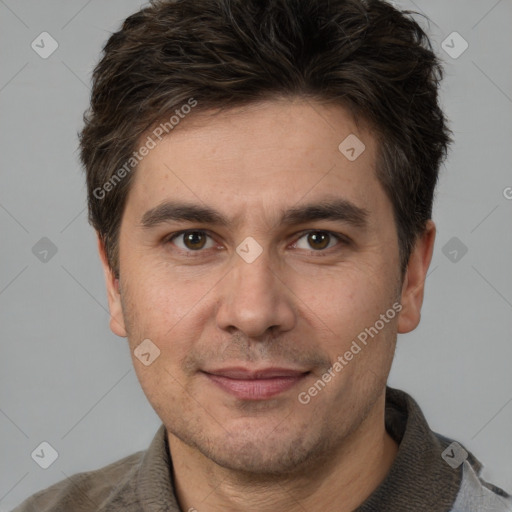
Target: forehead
264	156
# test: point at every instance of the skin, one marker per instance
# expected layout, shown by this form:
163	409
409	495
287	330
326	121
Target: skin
297	305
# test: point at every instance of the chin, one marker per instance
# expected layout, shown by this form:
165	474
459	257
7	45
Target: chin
263	453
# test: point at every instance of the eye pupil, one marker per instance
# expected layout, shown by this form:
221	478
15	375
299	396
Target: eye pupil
194	240
318	240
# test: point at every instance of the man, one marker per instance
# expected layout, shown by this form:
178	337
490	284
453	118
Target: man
260	175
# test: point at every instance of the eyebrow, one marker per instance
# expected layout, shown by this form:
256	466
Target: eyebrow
333	209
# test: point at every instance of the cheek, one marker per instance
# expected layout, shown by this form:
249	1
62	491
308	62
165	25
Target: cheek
344	297
349	309
160	297
168	310
159	312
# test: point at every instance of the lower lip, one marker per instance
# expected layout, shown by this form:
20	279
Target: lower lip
256	389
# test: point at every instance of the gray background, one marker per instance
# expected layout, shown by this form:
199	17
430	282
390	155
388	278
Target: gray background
66	379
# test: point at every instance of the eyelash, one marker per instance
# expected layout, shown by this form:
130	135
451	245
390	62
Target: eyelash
342	239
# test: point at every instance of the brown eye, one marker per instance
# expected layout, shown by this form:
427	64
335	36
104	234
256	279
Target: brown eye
318	239
192	240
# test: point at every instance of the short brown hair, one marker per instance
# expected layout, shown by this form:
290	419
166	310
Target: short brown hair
365	55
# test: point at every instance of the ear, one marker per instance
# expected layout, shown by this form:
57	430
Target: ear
414	280
114	297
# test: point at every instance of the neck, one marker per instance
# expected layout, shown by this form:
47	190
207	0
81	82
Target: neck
341	481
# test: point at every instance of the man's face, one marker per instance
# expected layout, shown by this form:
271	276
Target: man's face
243	335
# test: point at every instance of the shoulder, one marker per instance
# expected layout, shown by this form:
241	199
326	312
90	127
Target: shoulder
88	491
476	494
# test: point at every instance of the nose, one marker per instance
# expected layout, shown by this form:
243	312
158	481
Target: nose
255	299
